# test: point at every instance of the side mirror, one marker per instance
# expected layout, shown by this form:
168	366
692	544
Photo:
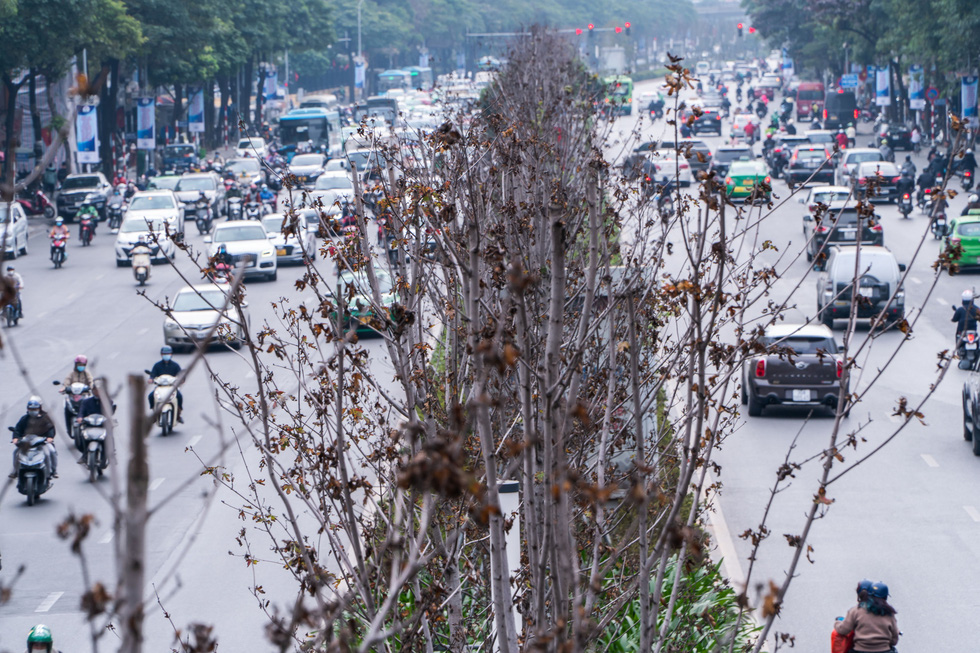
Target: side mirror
147	372
207	240
56	383
807	217
801	200
902	267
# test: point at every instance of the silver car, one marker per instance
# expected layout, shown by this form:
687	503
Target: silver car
13	229
194	313
294	248
307	168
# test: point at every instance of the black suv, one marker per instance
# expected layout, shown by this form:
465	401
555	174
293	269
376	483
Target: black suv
81	189
179	157
809	161
881	278
722	159
708	121
839	225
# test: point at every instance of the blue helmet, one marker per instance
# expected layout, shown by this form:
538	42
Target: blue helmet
879	590
166	349
864	586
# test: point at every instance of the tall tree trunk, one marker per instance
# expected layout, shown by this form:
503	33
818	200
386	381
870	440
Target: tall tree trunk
107	114
245	107
35	116
259	98
178	107
10	138
207	137
224	84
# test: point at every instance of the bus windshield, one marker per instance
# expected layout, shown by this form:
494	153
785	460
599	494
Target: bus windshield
300	130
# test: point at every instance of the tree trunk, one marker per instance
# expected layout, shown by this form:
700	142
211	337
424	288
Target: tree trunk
178	108
107	111
136	515
259	98
10	138
244	109
224	84
35	116
208	135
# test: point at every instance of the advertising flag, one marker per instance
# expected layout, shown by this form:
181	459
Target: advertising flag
87	134
917	90
271	86
146	122
195	112
968	100
883	95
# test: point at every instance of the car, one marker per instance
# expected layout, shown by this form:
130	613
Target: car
899	137
887	175
801	366
13	229
307	168
809	163
879	285
162	248
88	188
194	312
748	180
838	224
768	86
245	171
964	231
782	149
334	181
821	137
363	160
157	205
191	185
633	164
249	246
740	120
251	146
809	100
360	308
337	165
849	162
971	407
723	157
667	165
702	68
297	247
832	197
163	182
178	156
708	121
839	109
691	148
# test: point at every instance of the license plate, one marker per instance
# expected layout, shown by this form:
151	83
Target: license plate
364	319
281	251
847	235
740	189
971	345
866	292
801	395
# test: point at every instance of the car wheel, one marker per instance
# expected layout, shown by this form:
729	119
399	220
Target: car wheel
809	256
976	441
274	275
745	396
967	424
755	407
26	248
120	264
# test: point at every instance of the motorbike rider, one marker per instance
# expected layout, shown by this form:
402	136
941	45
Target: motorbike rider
886	151
851	134
266	195
78	374
17	282
140	255
841	139
872	620
37	422
90	406
972	204
908	166
815	124
39	640
166	365
89	210
965	315
905	183
967	162
59	231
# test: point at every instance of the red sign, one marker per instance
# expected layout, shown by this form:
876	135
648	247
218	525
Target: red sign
932	93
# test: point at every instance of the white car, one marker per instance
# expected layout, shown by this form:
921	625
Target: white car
337	165
669	165
194	312
307	168
13	229
154	234
246	171
249	246
850	159
155	205
294	248
253	146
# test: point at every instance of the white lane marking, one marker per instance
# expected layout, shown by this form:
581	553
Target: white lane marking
114	355
723	536
250	375
942	301
915	280
929	460
144	330
157	482
194	440
105	539
101	276
970	510
49	602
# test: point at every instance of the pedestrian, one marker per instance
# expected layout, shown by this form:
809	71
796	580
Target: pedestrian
872	620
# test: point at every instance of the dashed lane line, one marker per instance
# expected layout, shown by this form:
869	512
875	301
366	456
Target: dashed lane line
929	460
49	602
974	515
157	482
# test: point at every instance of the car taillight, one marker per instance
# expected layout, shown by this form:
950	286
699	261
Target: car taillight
647	178
728	181
760	368
840	369
768	180
876	228
954	241
857	114
928	191
777	150
906	196
822	229
861	180
684	166
824	114
971	336
895	179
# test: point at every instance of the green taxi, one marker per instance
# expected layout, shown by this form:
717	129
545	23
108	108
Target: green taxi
743	178
360	307
964	231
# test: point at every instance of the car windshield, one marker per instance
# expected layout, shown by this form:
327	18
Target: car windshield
806	345
151	203
204	300
359	280
821	138
968	229
744	170
168	182
195	183
307	160
239	166
333	182
812	154
272	224
861	157
249	143
360	158
72	183
844	217
826	197
244	232
726	156
140	225
882	266
179	150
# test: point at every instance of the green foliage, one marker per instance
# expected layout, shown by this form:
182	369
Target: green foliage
703	620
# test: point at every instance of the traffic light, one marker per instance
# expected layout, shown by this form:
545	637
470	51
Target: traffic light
740	30
627	26
751	30
591	30
578	31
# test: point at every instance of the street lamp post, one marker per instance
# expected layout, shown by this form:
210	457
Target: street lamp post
359	4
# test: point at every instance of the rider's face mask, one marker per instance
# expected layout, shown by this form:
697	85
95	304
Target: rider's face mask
34	412
80	368
166	357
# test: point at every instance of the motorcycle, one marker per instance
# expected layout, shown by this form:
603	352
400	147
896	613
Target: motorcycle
93	441
966	179
938	226
86	229
38	204
165	399
202	217
74	395
58	250
11	312
905	204
738	94
760	110
222	273
141	265
234	208
966	349
32	468
253	210
115	208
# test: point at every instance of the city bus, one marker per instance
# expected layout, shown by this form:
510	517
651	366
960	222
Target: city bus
422	78
394	79
311	126
618	95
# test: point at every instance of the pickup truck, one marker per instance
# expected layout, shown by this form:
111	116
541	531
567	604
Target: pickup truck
801	366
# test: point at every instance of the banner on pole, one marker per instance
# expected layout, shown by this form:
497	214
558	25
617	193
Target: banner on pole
87	134
917	90
968	100
271	86
195	112
146	122
359	73
883	95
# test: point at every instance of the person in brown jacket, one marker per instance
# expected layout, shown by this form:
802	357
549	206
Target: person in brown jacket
872	620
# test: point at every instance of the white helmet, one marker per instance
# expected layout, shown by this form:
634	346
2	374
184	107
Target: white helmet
973	199
967	296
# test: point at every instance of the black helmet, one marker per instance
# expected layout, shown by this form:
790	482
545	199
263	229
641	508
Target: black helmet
879	590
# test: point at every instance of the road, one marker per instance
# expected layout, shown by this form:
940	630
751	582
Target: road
909	507
910	515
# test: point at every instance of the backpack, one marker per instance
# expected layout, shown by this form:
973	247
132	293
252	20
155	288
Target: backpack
841	643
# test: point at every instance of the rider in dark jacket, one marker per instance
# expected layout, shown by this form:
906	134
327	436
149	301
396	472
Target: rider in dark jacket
166	365
36	422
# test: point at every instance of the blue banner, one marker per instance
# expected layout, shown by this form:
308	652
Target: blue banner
87	134
195	111
883	94
968	99
917	89
146	108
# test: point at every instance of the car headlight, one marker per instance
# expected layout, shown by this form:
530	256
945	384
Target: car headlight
268	252
170	325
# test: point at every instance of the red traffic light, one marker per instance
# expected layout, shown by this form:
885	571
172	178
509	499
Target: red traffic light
627	25
591	26
740	25
578	31
751	30
618	29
